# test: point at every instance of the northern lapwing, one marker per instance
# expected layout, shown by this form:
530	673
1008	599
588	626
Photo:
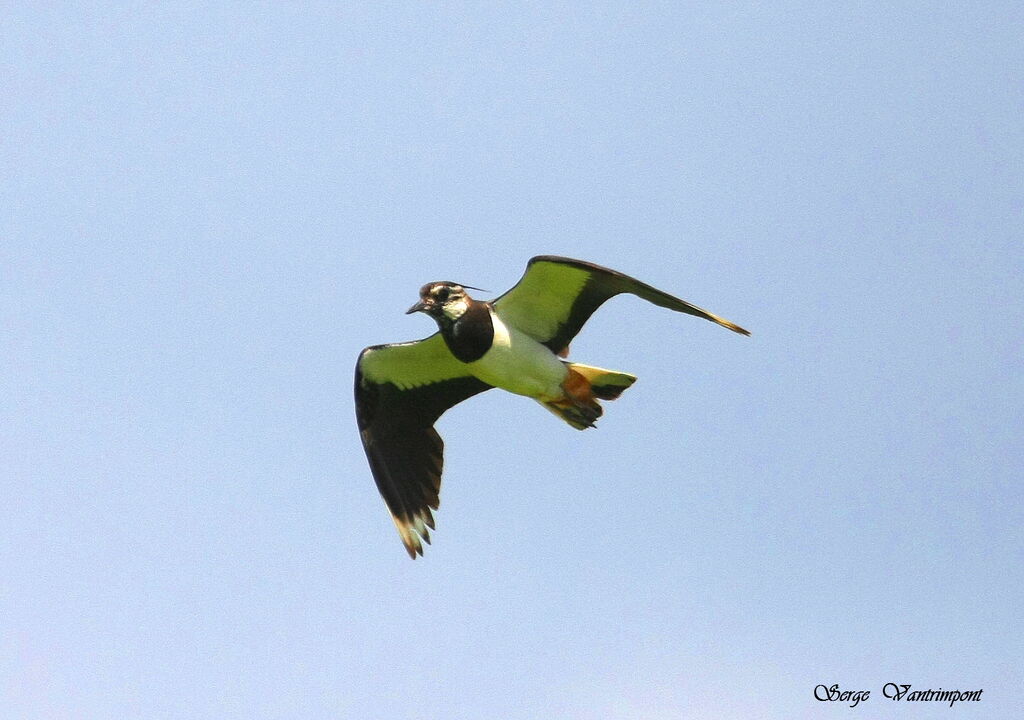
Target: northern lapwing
517	342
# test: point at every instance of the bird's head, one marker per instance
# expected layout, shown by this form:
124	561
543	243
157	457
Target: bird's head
443	301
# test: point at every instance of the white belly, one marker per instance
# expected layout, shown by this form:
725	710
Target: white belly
518	363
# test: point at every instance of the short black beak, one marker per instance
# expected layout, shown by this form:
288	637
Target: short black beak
418	307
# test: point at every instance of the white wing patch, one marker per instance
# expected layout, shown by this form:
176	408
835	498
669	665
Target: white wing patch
410	365
532	308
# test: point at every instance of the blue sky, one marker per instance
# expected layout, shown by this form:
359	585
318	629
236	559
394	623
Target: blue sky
209	209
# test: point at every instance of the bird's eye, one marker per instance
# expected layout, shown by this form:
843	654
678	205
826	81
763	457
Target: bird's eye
442	294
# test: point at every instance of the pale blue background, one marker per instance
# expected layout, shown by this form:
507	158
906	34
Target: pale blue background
207	210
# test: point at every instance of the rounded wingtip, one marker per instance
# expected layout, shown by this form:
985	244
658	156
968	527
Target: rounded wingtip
412	534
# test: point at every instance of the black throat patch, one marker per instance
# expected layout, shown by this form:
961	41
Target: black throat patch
470	336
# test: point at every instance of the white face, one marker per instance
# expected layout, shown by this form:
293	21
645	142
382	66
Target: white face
455	308
451	299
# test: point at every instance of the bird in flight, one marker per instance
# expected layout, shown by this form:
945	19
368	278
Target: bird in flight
517	342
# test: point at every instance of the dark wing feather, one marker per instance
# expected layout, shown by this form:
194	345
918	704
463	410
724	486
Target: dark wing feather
557	295
400	392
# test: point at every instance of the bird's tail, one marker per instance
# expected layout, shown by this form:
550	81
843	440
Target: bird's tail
606	384
584	386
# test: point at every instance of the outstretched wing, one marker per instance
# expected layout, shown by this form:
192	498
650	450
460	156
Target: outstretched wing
400	391
557	295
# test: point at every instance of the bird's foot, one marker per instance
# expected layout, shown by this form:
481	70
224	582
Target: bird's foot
577	406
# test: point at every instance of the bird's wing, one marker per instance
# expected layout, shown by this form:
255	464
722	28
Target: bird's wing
401	390
557	295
